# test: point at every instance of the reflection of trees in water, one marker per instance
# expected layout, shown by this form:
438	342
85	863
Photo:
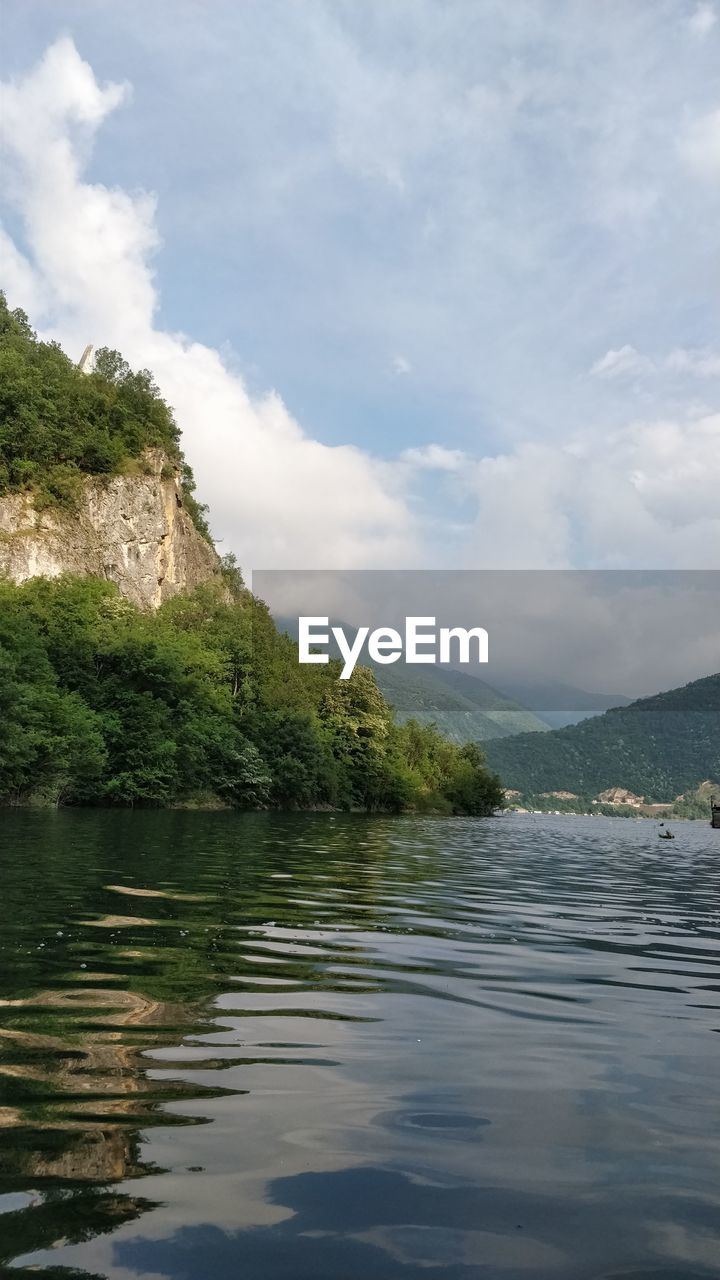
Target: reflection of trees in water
73	1101
74	1104
65	1217
147	915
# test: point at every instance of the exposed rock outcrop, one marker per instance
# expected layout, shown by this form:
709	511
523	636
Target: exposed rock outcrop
130	529
620	795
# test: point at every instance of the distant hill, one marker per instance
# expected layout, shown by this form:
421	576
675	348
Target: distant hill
562	704
657	747
463	707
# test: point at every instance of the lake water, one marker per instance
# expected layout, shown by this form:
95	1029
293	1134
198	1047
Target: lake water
316	1047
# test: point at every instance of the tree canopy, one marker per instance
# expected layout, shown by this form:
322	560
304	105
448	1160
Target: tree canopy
657	747
58	424
203	702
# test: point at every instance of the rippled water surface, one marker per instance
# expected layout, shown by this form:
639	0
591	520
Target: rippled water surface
317	1047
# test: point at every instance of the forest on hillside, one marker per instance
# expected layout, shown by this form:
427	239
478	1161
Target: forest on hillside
202	703
658	747
58	425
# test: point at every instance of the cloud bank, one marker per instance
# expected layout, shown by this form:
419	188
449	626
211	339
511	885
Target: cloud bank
277	496
79	256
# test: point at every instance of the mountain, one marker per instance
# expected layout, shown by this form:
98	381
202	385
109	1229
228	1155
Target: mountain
92	477
559	704
656	747
135	667
463	707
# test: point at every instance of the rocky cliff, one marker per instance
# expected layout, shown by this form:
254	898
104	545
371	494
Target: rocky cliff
130	529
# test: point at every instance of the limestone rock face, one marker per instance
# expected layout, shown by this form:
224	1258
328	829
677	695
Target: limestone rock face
620	795
131	529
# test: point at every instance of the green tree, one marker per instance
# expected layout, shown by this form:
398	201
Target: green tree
58	424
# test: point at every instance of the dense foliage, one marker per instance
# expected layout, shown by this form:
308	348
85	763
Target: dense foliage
203	702
657	747
696	804
58	424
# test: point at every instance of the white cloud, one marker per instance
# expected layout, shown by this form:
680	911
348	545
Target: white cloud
277	496
387	120
554	495
703	20
642	497
628	362
19	280
401	365
625	362
701	146
700	364
434	457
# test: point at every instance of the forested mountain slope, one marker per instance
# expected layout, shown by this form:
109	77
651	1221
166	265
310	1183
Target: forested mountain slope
657	747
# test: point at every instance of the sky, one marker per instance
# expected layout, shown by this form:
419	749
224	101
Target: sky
559	632
428	284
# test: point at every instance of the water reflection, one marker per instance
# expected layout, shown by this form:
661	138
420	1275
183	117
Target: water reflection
321	1046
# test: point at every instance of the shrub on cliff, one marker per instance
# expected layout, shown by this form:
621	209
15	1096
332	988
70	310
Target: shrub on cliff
58	424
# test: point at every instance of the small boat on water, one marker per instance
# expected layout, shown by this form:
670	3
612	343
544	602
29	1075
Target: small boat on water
665	835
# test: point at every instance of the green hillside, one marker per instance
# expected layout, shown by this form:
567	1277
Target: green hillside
202	702
657	747
58	425
463	707
559	704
